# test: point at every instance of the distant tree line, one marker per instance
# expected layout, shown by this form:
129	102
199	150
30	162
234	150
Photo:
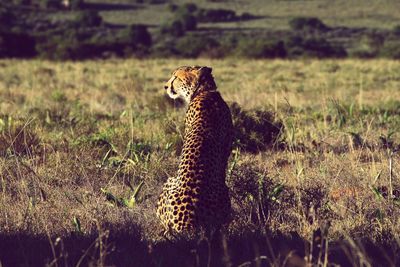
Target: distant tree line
24	35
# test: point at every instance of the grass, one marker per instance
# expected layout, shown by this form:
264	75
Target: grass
86	146
273	14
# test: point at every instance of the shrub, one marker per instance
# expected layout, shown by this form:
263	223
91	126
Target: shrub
256	48
216	15
172	7
19	45
205	15
64	45
396	30
194	46
190	7
136	35
22	2
307	24
391	50
77	4
88	18
50	3
175	28
184	21
7	18
164	48
313	47
255	130
76	43
369	45
189	22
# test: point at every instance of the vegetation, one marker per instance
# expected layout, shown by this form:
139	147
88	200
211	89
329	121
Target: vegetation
190	30
85	148
308	24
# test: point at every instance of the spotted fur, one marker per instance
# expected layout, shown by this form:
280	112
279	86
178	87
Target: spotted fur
198	196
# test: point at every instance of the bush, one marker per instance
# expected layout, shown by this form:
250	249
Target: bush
296	46
189	22
164	48
256	48
77	4
172	7
396	30
88	18
308	24
133	40
157	2
184	20
192	46
22	2
68	44
391	50
16	45
369	45
71	42
189	7
136	35
175	28
255	130
7	18
216	15
205	15
50	3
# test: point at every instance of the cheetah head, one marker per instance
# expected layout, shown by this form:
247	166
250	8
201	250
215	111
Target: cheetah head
186	81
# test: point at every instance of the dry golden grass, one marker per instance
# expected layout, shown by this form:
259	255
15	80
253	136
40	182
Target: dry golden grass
86	146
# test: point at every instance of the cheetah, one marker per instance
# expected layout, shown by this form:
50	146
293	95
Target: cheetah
198	198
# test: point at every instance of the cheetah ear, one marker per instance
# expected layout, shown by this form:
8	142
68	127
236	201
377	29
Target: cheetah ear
205	70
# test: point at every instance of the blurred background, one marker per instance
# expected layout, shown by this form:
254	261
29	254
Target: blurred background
88	29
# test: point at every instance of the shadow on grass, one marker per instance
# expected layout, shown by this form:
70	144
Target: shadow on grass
127	249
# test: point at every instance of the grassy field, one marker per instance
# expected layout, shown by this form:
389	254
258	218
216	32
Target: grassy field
272	14
86	146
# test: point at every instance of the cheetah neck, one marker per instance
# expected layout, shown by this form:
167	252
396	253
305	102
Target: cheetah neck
203	87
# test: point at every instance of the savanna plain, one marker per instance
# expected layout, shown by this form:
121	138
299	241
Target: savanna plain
314	174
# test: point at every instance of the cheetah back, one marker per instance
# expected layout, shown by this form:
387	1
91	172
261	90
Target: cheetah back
198	196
